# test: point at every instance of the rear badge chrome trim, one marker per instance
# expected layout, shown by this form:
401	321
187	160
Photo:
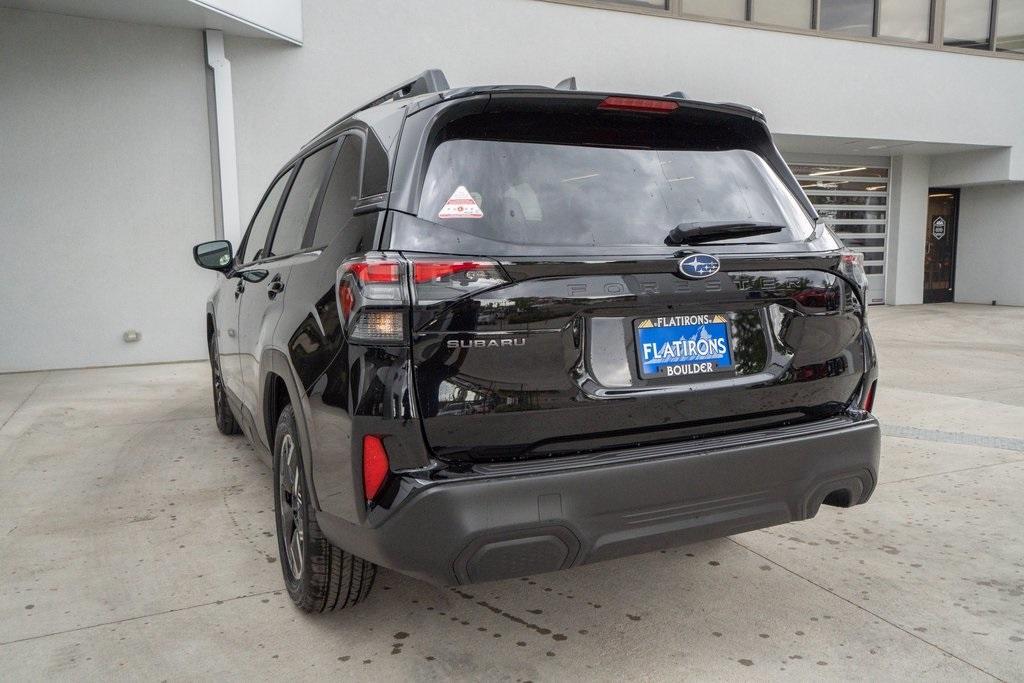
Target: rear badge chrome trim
699	266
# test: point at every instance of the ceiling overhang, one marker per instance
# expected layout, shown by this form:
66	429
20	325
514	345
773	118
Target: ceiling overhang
821	144
275	19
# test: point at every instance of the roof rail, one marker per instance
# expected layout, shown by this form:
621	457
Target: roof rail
431	80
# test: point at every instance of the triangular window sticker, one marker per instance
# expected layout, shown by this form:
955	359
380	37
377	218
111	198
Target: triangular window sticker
461	205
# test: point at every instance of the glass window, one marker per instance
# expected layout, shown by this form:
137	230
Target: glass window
855	17
503	196
291	227
854	201
256	239
905	19
721	9
967	23
795	13
1010	26
375	167
341	194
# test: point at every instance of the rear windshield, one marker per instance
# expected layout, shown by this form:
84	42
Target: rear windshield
542	194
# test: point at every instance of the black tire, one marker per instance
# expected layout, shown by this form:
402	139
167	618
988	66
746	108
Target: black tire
328	577
226	422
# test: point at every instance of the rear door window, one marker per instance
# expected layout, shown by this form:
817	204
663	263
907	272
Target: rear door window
513	193
255	241
291	227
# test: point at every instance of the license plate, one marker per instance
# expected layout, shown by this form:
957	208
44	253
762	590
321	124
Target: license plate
683	345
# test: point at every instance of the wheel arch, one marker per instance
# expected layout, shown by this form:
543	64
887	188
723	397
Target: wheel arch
211	325
279	388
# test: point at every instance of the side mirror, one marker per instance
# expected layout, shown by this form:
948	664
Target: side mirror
214	255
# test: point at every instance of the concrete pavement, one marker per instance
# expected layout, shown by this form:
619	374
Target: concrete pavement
137	542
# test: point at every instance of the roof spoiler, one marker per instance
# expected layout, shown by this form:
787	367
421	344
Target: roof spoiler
431	80
570	84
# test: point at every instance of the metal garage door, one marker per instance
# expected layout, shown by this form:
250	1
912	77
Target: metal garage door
854	200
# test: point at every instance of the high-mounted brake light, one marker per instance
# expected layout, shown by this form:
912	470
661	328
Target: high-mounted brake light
375	466
641	104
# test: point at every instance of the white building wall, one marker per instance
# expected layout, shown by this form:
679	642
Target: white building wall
972	168
990	245
105	184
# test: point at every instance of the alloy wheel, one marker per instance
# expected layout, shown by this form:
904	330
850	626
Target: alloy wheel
292	509
218	389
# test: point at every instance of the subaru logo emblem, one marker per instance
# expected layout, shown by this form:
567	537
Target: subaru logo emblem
699	266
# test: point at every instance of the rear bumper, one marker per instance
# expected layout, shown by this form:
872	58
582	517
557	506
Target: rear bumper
528	518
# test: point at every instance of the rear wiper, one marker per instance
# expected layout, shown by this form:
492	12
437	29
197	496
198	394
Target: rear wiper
698	232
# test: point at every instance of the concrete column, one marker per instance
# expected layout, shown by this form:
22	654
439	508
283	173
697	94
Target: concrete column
225	165
908	214
990	244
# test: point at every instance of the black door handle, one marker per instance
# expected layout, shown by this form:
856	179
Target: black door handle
239	288
275	287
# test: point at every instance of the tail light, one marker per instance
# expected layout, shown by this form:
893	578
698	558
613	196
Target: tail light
852	266
639	104
437	280
371	300
867	402
852	259
376	272
374	292
375	466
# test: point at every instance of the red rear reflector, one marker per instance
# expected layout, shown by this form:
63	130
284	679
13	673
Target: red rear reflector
869	398
639	104
428	271
383	272
375	466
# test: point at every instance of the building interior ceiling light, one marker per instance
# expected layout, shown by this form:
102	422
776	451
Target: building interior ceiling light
838	171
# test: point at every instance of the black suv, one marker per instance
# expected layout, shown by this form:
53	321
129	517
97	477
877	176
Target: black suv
493	331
